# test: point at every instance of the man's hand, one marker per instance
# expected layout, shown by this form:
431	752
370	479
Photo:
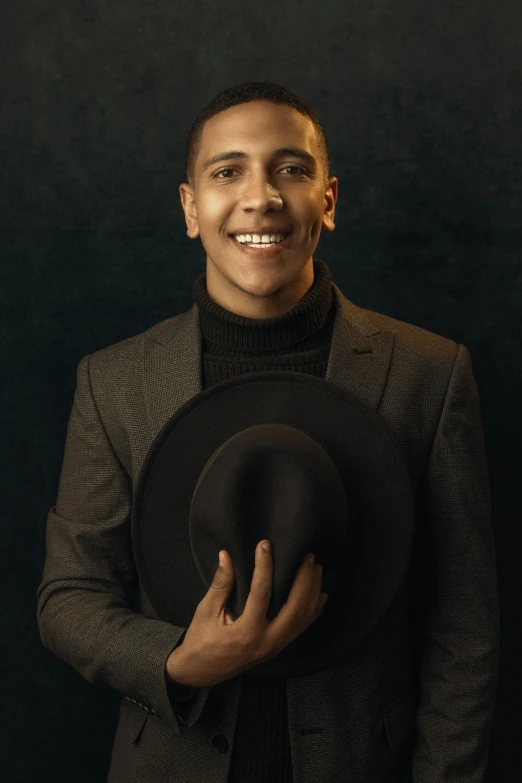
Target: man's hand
216	647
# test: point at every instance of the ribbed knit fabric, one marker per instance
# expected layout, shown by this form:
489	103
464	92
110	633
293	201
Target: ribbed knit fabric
299	340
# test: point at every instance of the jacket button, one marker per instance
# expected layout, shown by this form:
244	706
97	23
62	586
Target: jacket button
220	743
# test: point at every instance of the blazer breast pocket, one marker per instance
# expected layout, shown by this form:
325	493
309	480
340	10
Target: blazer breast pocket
399	720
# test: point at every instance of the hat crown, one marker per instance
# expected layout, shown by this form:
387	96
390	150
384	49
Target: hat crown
269	481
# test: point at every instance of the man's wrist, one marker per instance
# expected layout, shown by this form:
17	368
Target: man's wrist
174	669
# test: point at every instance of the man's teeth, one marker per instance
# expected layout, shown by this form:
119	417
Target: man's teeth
264	239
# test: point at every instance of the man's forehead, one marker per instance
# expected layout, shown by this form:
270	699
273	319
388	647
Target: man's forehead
235	136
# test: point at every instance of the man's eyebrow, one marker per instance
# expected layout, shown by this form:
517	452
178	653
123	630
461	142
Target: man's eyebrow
294	152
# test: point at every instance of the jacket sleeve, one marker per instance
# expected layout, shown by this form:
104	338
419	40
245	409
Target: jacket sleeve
462	629
84	601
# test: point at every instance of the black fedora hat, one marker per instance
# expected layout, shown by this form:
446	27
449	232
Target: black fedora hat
289	457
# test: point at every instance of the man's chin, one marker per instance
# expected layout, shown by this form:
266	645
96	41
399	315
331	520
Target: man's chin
256	292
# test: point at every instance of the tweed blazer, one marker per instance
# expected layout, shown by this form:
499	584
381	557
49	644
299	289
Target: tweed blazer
414	702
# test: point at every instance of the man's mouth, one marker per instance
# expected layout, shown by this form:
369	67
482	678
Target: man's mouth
260	241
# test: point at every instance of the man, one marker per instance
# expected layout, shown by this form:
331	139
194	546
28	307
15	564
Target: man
415	702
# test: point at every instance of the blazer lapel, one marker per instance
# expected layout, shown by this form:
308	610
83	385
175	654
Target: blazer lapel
359	359
360	353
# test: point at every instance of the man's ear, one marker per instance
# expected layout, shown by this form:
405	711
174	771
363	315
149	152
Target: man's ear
188	203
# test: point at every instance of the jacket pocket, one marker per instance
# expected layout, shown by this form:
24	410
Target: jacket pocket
134	718
399	720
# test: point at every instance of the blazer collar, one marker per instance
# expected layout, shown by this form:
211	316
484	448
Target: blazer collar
359	359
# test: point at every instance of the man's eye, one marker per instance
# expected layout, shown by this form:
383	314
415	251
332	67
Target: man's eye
298	168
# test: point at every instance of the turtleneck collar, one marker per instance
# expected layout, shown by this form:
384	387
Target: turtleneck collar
236	332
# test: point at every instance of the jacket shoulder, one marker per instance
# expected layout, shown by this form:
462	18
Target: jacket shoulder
412	339
132	347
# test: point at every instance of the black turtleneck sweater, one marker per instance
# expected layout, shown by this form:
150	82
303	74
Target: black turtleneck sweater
298	340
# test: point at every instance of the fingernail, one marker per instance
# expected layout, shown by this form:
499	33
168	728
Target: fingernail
311	558
221	558
265	546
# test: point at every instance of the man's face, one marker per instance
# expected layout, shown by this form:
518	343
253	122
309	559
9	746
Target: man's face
245	193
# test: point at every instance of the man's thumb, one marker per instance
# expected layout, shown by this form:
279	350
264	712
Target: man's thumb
224	579
224	576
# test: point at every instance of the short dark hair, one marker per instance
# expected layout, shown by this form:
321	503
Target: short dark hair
243	93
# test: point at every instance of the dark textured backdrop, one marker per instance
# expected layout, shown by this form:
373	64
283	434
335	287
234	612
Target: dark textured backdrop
422	109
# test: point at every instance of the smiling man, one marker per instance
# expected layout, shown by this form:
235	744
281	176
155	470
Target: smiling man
414	701
260	171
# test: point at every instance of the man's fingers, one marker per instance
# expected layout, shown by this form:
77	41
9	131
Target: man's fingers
256	605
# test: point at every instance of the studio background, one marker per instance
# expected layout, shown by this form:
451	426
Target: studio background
422	109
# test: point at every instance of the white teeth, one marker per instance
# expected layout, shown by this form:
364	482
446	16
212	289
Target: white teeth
257	238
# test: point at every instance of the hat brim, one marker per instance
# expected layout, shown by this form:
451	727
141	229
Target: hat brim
365	453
